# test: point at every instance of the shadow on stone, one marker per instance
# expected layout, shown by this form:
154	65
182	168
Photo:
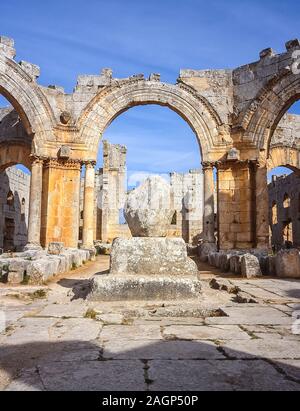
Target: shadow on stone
145	365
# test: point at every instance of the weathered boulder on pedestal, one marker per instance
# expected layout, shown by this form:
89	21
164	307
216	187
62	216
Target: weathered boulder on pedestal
287	263
250	266
147	268
148	265
147	209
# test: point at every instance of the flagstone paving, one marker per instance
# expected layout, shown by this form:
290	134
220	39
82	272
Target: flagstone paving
55	339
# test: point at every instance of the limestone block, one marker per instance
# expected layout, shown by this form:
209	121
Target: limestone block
55	248
103	248
125	287
287	263
31	69
151	256
33	254
271	265
250	266
205	249
76	259
18	265
7	47
41	270
235	264
218	260
63	264
147	208
15	277
212	259
225	262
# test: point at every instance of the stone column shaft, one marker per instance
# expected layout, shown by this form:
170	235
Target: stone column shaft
35	201
208	208
88	206
262	207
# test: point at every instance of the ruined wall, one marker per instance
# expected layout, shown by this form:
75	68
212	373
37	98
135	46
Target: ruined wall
187	189
287	133
110	194
14	208
284	210
227	109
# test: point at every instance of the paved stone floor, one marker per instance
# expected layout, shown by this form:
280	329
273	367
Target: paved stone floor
237	336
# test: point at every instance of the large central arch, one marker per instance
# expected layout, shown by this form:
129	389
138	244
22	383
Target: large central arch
112	101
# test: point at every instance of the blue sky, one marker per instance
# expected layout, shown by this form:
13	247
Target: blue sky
71	37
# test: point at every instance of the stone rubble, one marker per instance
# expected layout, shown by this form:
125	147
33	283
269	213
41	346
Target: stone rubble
255	263
36	266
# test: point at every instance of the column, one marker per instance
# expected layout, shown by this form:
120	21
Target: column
208	209
261	207
88	206
60	202
34	219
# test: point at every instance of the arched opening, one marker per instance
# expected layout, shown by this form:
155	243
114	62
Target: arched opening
284	181
14	179
145	140
286	200
288	234
274	213
14	202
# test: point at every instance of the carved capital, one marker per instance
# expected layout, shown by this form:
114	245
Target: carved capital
63	164
89	163
36	160
226	164
207	165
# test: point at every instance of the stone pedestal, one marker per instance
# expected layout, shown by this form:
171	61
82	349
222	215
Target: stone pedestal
146	269
148	266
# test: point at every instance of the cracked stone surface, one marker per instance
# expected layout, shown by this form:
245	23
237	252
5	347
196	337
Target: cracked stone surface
55	339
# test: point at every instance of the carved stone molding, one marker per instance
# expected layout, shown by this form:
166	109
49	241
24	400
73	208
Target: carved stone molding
63	164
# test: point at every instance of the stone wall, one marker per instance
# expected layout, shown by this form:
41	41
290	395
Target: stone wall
14	205
187	189
284	211
110	192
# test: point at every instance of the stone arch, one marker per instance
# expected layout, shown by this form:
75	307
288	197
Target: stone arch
271	103
21	90
112	101
284	157
14	154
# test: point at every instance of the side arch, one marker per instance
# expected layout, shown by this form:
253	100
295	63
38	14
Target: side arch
114	100
26	97
284	156
14	154
265	112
